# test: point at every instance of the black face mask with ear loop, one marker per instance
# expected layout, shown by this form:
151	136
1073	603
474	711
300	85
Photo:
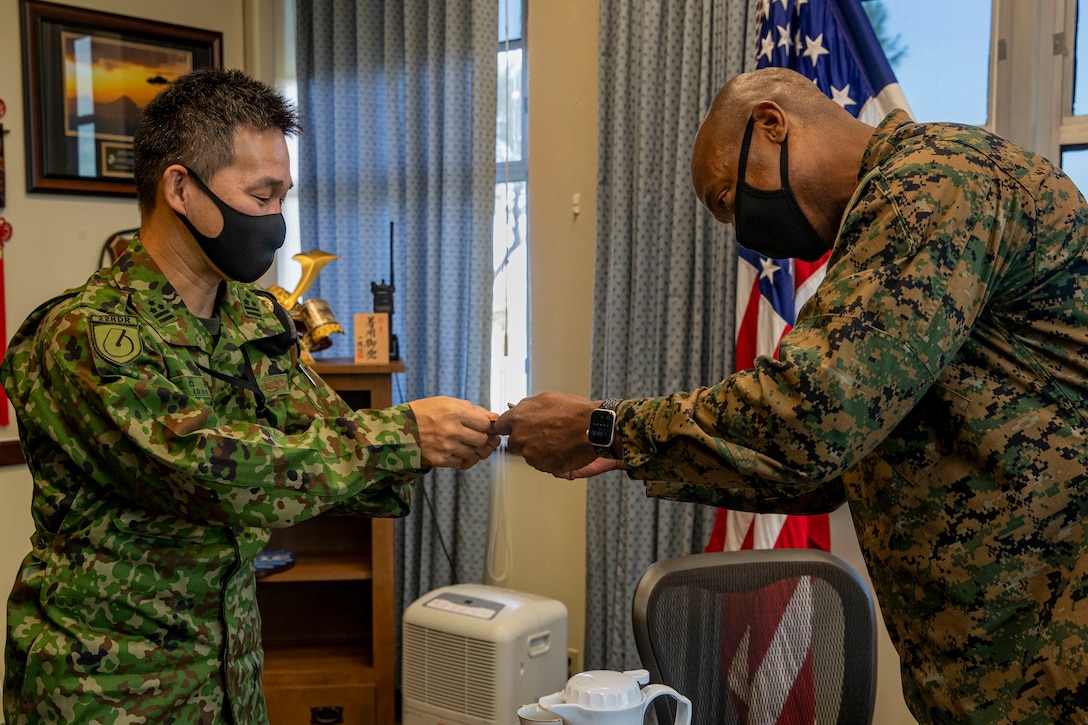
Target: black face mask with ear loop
246	246
771	222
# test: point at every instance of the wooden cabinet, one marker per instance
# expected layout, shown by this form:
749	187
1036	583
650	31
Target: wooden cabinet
328	620
361	386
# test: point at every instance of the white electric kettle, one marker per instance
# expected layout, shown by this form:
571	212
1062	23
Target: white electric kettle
604	697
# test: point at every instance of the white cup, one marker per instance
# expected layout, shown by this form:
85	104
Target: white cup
534	713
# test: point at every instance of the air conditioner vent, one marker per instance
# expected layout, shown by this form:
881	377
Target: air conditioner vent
450	671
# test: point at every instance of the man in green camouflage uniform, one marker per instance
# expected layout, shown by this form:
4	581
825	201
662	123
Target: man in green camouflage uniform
169	425
936	381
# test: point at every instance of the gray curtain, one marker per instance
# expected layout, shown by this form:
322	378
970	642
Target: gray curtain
665	274
398	99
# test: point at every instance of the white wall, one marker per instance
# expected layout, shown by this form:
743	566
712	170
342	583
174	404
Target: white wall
547	515
57	237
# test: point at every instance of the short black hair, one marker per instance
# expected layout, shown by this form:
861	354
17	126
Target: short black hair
192	122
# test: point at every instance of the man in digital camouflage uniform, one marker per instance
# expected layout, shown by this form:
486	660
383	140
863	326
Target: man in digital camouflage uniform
169	425
936	381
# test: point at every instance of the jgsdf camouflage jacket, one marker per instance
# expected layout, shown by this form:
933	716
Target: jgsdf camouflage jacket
156	481
938	381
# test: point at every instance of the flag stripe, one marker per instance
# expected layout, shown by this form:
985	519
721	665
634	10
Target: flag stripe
832	42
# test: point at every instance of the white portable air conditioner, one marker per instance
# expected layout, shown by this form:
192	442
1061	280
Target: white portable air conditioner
473	654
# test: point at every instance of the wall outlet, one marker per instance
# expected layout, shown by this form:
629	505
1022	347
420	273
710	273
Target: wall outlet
574	662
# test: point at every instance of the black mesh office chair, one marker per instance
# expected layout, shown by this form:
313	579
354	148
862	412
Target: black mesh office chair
757	636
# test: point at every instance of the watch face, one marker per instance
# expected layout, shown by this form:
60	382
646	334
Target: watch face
602	423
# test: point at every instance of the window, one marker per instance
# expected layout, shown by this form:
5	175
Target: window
510	308
923	39
1040	100
1074	128
285	21
1027	79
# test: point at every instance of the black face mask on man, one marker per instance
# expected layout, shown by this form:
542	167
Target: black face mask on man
771	222
246	246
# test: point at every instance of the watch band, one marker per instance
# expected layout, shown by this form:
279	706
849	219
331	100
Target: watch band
605	451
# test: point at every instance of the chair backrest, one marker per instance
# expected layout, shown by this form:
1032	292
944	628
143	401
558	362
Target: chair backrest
760	637
115	246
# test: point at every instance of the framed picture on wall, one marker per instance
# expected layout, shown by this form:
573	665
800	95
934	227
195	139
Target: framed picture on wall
86	77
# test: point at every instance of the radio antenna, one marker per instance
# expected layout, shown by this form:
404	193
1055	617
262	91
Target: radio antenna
383	300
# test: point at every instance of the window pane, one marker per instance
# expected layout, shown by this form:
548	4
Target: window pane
510	306
510	117
1075	164
1080	63
509	20
944	66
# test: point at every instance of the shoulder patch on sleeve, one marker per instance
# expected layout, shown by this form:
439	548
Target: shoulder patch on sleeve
115	338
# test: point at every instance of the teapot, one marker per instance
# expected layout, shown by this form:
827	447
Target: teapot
605	697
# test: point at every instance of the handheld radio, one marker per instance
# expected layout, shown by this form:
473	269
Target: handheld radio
383	300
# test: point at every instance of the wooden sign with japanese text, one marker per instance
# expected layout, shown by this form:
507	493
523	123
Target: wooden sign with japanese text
371	338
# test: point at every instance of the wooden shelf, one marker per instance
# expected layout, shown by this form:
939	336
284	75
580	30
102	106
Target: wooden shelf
303	665
315	568
360	385
327	622
348	366
308	684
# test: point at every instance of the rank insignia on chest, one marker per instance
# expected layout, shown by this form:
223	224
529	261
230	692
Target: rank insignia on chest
115	338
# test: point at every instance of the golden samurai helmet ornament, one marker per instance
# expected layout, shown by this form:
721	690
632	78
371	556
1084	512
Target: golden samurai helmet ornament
313	318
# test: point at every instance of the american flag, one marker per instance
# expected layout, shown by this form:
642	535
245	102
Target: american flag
832	42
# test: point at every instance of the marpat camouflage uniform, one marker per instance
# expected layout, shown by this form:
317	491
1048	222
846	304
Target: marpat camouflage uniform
937	381
157	479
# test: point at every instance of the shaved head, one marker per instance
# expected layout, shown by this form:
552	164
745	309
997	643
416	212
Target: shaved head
826	145
795	93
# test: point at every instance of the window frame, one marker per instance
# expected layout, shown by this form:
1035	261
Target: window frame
510	172
506	171
1032	73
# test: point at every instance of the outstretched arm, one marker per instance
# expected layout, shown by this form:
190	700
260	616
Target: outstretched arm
453	433
549	431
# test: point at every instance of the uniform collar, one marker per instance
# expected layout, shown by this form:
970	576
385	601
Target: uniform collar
245	315
884	141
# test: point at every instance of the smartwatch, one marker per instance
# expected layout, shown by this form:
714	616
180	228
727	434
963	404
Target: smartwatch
602	428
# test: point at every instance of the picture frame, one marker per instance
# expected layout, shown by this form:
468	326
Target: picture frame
86	77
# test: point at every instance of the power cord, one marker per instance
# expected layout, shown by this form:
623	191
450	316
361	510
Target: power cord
430	504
